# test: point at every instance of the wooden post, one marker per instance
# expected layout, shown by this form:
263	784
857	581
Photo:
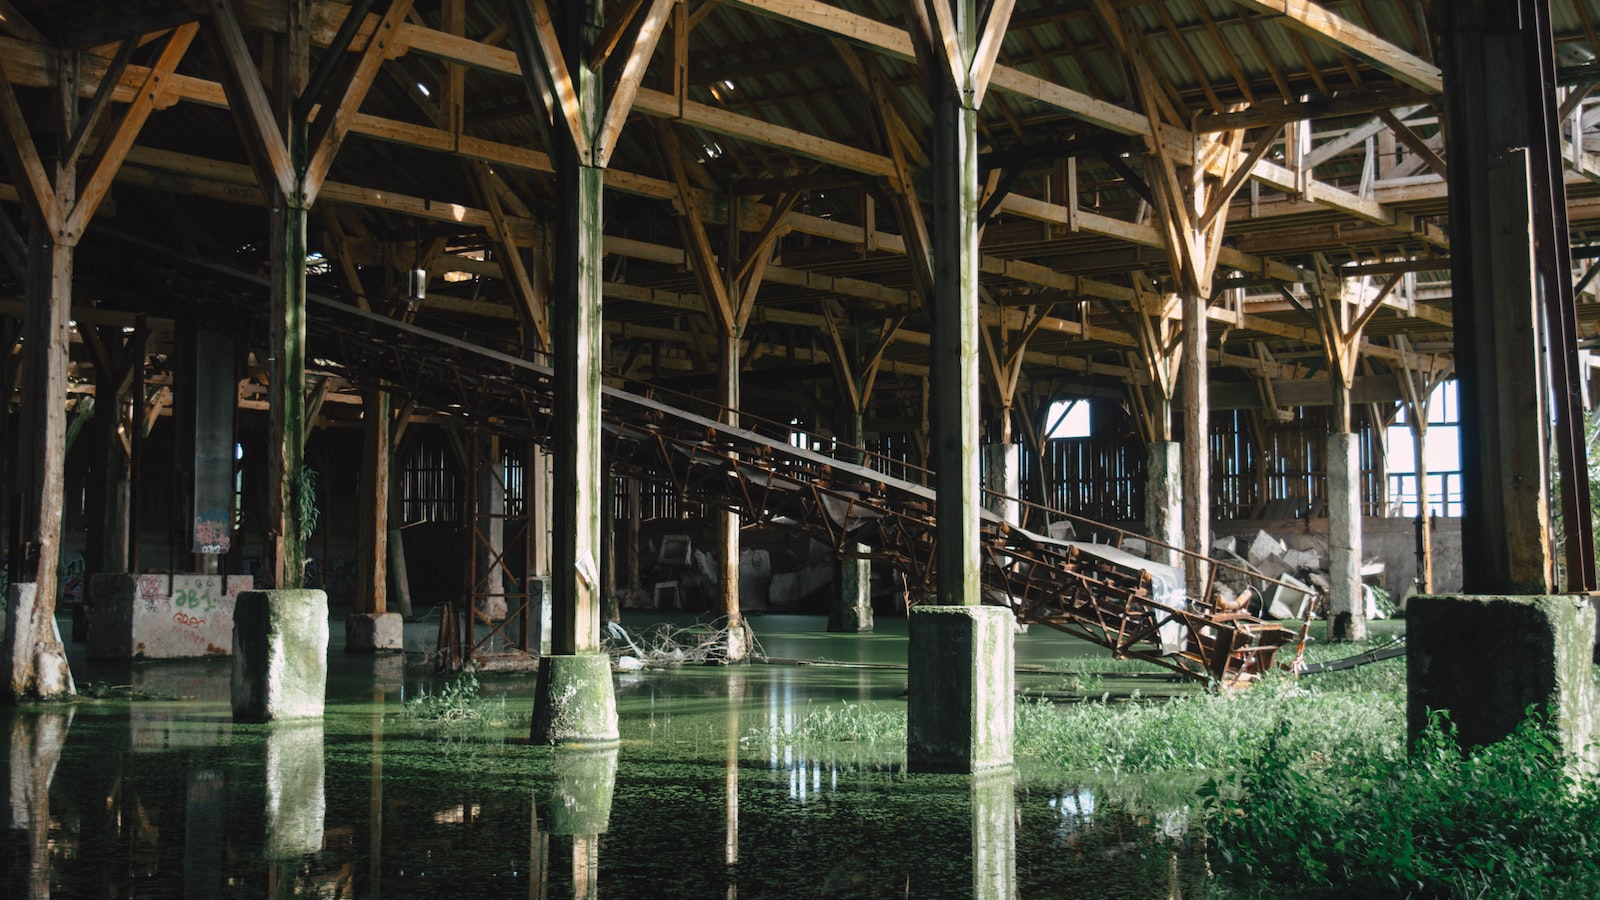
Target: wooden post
727	531
1498	169
372	589
1196	452
286	392
954	357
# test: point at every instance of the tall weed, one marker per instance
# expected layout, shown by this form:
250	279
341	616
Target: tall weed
1506	820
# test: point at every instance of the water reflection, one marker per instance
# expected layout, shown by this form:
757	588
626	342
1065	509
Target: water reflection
994	835
36	743
296	800
577	806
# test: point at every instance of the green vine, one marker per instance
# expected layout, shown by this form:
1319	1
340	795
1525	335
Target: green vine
308	503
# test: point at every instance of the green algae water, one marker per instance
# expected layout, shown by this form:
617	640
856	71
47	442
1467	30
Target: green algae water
710	793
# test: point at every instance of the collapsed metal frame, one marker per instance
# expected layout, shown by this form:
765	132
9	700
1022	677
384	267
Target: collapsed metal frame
755	471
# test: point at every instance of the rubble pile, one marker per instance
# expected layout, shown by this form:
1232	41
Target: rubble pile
1304	574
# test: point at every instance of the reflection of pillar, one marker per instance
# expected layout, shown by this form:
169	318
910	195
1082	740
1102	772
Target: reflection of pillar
730	844
994	836
1348	610
203	835
375	810
36	742
578	806
295	797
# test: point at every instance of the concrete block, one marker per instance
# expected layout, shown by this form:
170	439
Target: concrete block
161	616
296	796
1486	659
280	655
1264	546
575	703
755	577
35	658
960	706
369	632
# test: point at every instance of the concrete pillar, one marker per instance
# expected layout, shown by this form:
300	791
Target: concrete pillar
960	712
372	626
1347	616
1485	660
1163	500
280	655
1003	476
576	702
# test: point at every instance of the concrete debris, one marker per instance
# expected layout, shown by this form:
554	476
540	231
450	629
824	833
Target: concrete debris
1061	531
1265	547
1137	546
1302	572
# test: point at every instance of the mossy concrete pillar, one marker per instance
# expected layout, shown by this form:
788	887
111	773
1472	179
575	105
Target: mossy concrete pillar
280	654
1163	500
1485	660
576	704
960	711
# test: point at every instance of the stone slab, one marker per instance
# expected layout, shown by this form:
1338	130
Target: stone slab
960	709
371	632
157	616
1487	659
280	655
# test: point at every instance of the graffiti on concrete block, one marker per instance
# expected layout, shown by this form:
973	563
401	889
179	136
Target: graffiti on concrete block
212	535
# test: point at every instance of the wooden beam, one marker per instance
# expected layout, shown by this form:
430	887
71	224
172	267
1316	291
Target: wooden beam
644	46
333	121
1346	36
22	157
994	35
109	158
241	81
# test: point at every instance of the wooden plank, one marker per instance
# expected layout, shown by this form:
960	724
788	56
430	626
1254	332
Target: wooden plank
1347	37
558	77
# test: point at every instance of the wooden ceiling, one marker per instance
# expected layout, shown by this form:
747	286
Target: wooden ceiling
805	122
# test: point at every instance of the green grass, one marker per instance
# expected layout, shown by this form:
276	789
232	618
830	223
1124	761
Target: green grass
456	713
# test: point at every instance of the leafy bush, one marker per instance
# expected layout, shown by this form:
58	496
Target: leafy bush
1507	820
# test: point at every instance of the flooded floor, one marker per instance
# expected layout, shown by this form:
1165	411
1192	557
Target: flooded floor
150	797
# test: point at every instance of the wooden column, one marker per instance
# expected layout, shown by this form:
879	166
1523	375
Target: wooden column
286	428
954	356
727	523
1491	67
372	587
1196	450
